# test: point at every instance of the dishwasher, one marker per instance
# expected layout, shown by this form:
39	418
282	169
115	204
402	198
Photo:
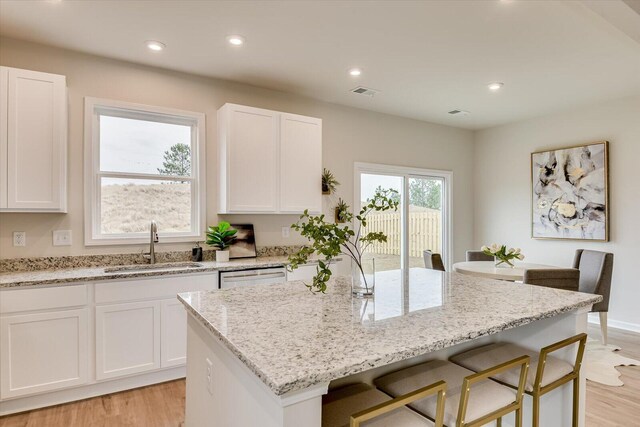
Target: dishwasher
236	278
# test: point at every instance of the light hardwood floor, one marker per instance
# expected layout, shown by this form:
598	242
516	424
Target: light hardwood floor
162	405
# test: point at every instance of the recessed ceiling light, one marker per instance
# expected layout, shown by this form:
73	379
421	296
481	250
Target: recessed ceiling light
236	40
495	86
355	72
156	46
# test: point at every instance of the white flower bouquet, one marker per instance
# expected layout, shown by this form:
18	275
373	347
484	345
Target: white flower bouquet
502	255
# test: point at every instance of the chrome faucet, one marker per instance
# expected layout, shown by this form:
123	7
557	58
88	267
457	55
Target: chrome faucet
153	239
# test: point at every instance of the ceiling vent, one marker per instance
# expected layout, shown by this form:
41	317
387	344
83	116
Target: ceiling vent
459	113
361	90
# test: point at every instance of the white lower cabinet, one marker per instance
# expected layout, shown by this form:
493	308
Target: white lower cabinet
173	327
131	331
43	351
127	339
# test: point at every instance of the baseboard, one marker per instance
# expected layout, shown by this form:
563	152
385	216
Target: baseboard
27	403
616	324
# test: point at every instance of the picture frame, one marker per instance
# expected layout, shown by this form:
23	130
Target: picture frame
570	193
244	245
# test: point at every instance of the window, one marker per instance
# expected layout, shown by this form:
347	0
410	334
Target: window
421	222
141	164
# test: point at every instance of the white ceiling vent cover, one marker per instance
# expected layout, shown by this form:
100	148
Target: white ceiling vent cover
361	90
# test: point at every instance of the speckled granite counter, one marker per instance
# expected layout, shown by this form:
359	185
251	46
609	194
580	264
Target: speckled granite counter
71	275
310	339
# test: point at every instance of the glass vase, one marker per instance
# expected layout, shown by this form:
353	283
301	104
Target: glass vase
502	263
363	278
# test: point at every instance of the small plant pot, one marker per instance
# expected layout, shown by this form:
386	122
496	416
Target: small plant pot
222	256
338	215
325	189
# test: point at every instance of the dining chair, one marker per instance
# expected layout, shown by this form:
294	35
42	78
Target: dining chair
551	372
433	261
473	398
361	403
478	256
596	269
558	278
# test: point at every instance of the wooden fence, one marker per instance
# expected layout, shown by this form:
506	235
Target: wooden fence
425	230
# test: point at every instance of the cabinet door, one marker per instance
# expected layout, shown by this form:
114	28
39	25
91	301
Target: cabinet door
300	164
173	333
36	141
4	99
127	339
43	352
252	156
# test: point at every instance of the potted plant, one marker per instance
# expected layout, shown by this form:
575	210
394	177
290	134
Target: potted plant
329	182
341	211
501	255
221	236
328	240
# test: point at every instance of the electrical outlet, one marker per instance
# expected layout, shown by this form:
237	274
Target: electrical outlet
19	238
285	232
209	376
62	238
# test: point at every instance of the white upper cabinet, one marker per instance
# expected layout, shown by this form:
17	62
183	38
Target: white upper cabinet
300	163
268	162
33	141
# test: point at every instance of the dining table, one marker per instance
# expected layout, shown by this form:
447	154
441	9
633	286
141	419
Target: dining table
489	270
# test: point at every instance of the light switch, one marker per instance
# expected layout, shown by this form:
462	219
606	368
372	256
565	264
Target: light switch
62	238
285	232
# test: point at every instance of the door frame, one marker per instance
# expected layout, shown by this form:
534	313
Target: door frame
409	172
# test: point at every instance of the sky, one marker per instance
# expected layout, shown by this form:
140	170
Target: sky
128	145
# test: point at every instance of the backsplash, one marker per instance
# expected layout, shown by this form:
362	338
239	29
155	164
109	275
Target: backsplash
89	261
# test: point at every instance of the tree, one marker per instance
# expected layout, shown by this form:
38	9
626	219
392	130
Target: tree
177	161
425	193
394	196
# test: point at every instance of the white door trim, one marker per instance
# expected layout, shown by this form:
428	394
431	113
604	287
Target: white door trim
407	172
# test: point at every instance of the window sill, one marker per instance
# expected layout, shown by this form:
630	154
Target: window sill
122	241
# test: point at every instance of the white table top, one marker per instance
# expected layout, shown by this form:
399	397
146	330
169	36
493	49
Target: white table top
489	270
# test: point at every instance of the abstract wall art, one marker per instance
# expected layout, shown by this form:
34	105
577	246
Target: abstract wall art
570	193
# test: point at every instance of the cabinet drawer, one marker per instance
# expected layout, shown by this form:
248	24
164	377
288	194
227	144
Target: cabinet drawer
13	301
153	288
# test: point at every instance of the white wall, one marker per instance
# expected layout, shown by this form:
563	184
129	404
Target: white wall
502	191
349	135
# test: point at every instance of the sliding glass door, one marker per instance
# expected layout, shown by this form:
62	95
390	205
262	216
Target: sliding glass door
421	221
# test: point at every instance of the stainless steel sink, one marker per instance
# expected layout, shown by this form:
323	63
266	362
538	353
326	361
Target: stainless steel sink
152	267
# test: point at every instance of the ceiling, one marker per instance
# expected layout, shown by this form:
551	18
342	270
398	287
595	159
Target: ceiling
425	57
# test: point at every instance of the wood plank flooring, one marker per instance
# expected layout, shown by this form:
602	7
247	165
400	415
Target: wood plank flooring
162	405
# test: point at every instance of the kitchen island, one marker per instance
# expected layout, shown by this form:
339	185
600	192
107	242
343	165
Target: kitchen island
265	355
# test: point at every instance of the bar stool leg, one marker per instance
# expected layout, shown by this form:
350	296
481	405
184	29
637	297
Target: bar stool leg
536	410
576	398
518	417
499	422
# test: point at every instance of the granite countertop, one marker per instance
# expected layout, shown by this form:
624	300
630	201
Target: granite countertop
334	335
71	275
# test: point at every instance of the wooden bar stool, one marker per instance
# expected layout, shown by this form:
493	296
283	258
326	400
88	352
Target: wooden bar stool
362	405
474	400
551	373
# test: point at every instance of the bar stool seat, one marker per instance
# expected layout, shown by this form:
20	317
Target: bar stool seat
481	358
551	372
486	397
340	404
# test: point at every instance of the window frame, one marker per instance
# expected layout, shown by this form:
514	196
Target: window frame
406	173
93	108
